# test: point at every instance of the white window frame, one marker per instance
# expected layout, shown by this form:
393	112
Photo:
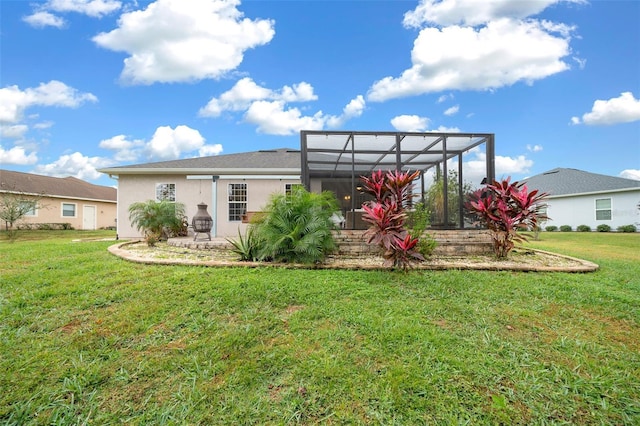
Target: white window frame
34	209
235	208
610	209
166	188
75	210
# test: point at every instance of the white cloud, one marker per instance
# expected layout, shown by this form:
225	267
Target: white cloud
14	131
475	169
534	148
13	101
246	91
623	109
443	98
76	165
169	144
269	110
125	150
473	12
43	19
165	144
452	110
208	150
93	8
630	174
176	40
445	129
502	53
410	123
274	118
18	156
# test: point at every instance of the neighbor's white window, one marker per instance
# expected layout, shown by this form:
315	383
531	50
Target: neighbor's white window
32	206
68	210
166	192
237	201
603	209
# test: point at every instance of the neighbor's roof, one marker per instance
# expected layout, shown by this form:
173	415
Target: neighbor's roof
283	160
68	187
571	181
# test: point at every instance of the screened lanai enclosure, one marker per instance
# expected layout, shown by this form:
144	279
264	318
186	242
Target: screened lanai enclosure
450	166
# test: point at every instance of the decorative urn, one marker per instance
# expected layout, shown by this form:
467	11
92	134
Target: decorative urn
202	222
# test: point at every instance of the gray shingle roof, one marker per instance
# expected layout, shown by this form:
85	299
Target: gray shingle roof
61	187
283	158
571	181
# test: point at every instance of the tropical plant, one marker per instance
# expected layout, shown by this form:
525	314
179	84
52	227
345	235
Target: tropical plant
417	223
296	227
386	215
157	219
506	207
246	246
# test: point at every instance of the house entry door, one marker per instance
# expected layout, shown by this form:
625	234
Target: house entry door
88	217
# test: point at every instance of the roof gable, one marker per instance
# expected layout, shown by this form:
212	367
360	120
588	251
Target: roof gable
561	181
59	187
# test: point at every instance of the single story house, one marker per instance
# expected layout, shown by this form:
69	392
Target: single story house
578	198
235	186
58	201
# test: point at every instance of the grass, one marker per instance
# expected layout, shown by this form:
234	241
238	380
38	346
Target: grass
86	337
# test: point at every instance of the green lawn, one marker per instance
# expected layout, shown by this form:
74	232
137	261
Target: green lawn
88	338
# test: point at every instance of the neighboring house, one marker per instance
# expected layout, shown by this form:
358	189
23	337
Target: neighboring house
578	198
233	186
62	200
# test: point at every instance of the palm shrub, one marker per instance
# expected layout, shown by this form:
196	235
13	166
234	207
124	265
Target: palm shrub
296	227
386	215
418	222
156	219
506	207
246	246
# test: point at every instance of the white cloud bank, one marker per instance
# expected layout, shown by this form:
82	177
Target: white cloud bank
457	47
630	174
76	165
165	144
43	16
623	109
13	104
270	111
178	41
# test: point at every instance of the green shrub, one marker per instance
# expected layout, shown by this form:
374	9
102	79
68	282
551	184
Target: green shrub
583	228
627	228
297	227
417	223
247	246
551	228
566	228
156	219
603	228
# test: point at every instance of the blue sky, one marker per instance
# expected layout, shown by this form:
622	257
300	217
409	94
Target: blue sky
87	84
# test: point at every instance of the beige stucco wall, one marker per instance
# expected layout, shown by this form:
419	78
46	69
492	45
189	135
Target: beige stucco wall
190	192
50	211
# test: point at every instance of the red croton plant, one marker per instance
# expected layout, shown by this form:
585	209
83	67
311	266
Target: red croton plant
386	214
506	207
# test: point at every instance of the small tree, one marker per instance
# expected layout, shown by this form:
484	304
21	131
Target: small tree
156	219
296	227
505	208
386	214
13	207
